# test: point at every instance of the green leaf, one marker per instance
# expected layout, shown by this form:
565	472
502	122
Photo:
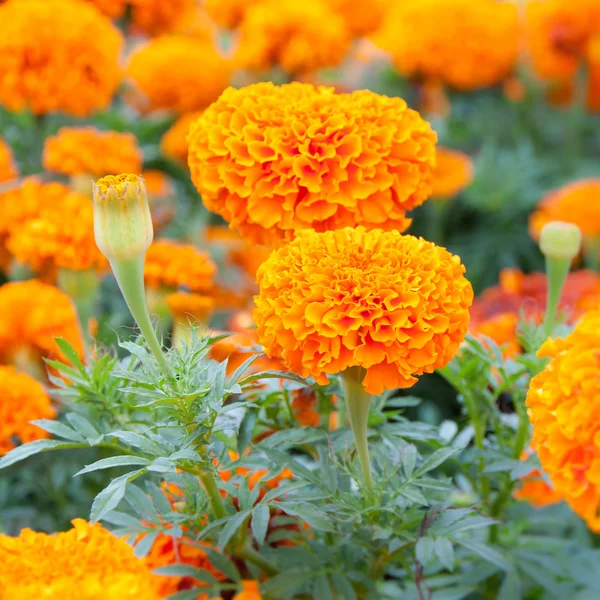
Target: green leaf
114	461
321	589
511	588
435	460
272	375
181	570
144	545
230	528
314	516
111	495
84	427
162	465
445	552
59	429
409	460
260	522
488	553
70	353
424	550
222	563
242	368
139	441
343	586
26	450
246	430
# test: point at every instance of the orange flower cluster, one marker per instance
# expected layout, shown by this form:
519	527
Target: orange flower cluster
453	173
84	563
155	17
229	13
305	409
534	489
178	73
275	159
90	151
496	312
44	312
250	591
575	203
172	264
114	9
174	142
395	305
564	407
465	44
57	55
300	37
186	307
23	400
362	18
8	169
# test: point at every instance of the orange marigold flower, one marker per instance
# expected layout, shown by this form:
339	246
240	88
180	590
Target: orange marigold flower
156	17
8	168
23	400
564	407
186	307
114	9
57	55
397	306
534	489
453	173
44	311
362	18
465	44
300	37
575	203
174	142
250	591
275	159
228	13
178	73
85	563
90	151
172	264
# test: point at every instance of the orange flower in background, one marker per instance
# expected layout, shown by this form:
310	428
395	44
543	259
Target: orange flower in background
174	142
114	9
57	55
564	407
178	73
299	37
172	264
453	173
44	312
534	489
90	151
229	13
250	591
155	17
8	168
85	563
161	196
362	18
23	400
397	306
186	307
575	203
465	44
275	159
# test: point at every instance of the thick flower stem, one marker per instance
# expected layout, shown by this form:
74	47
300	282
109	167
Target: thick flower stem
358	403
130	277
214	494
557	270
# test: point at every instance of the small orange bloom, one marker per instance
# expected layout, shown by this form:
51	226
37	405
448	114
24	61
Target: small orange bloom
534	489
57	55
362	18
272	160
161	194
453	173
397	306
174	142
229	13
250	591
186	307
156	17
114	9
8	168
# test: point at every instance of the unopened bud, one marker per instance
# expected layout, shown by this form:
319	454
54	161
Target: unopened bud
122	220
560	240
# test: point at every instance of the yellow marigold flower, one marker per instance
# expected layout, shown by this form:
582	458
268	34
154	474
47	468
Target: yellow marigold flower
85	563
178	73
250	591
576	203
44	312
186	307
174	142
156	17
300	37
229	13
362	18
564	408
397	306
23	400
57	55
534	489
172	264
90	151
114	9
275	159
453	173
465	44
8	168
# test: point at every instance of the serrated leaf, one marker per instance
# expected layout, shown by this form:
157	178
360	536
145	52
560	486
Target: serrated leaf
110	496
230	528
414	495
272	375
59	429
70	353
488	553
84	427
425	549
409	460
444	550
162	465
343	586
222	563
139	441
142	505
260	522
246	430
321	589
26	450
314	516
145	543
435	460
114	461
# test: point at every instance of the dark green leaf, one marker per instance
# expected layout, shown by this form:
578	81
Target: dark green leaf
114	461
321	589
260	522
27	450
59	429
230	528
111	495
445	552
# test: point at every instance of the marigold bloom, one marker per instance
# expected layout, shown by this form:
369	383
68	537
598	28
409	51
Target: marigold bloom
174	142
534	489
156	17
274	159
172	264
564	407
114	9
186	307
44	312
576	203
395	305
90	151
250	591
8	168
465	44
300	37
23	400
178	73
362	18
85	563
229	13
57	55
453	173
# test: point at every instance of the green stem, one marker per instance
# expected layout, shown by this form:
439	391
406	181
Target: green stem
359	403
251	555
557	270
214	494
130	277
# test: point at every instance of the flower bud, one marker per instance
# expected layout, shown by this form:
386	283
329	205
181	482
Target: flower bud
560	240
122	220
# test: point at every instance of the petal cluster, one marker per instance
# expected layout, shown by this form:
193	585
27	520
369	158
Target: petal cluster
57	55
8	168
397	306
466	44
90	151
564	407
174	142
453	173
275	159
155	17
